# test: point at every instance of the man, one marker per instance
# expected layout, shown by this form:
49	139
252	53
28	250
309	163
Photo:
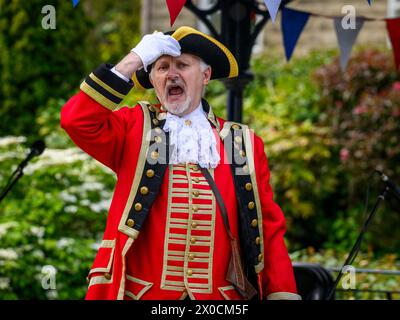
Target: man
182	201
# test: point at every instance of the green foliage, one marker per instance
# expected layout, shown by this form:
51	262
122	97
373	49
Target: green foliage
35	63
54	216
375	282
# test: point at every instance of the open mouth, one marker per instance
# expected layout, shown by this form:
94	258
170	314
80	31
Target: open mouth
175	91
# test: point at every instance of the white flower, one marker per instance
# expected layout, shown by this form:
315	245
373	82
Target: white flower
6	141
64	242
38	231
8	254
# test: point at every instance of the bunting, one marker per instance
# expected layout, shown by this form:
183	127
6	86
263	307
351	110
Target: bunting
393	27
174	8
293	23
346	38
273	7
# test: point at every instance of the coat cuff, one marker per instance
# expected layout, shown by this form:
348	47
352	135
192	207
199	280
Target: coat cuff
283	296
106	87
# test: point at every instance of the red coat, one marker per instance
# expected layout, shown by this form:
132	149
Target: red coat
139	266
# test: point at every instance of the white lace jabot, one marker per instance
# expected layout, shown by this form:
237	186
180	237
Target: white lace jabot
192	139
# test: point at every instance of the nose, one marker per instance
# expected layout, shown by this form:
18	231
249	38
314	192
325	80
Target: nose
172	73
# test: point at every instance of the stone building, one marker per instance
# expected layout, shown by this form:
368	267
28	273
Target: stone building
318	33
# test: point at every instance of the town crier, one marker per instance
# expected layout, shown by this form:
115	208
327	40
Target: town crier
193	215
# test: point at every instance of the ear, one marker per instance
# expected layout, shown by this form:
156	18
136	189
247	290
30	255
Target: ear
207	75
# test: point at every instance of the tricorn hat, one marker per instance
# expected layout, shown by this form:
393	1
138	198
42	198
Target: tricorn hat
192	41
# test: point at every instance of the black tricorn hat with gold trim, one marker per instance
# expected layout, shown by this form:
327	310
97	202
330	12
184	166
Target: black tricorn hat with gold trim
213	52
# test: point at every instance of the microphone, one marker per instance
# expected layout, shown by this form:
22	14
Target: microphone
36	149
390	184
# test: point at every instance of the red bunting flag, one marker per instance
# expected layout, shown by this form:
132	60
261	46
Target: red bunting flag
174	8
393	27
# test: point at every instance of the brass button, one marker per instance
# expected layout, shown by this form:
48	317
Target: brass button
260	257
158	130
150	173
242	153
254	223
251	205
144	190
195	208
194	225
158	139
197	180
188	122
107	276
238	139
258	240
195	167
191	256
196	193
192	240
235	127
189	272
248	186
245	169
155	122
138	206
154	155
130	223
151	108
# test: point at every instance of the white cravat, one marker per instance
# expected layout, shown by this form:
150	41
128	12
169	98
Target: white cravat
192	139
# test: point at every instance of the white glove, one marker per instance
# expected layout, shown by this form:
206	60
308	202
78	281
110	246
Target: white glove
153	46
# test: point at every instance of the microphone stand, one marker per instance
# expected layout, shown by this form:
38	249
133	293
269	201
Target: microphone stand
16	175
357	244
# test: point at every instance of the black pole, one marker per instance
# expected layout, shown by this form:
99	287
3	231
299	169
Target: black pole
357	244
239	31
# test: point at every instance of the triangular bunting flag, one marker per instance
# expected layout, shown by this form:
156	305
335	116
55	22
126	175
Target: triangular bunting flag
273	7
393	27
75	3
293	23
174	8
346	39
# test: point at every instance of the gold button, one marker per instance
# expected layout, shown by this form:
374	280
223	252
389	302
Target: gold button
248	186
194	225
251	205
195	168
192	240
130	223
188	122
107	276
191	256
144	190
242	153
196	193
154	155
155	121
195	208
150	173
196	180
158	139
138	206
238	139
235	127
245	169
189	272
260	257
158	130
258	240
254	223
151	108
